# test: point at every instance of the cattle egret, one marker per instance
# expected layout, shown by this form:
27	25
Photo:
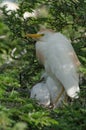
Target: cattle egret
40	92
46	92
57	55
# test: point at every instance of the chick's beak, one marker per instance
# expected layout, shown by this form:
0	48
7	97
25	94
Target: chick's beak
34	35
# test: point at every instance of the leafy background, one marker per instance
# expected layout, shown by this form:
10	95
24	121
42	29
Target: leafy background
19	72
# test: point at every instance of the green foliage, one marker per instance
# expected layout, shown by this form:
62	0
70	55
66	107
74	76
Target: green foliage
19	72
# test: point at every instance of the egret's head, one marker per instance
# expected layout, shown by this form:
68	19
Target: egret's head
42	33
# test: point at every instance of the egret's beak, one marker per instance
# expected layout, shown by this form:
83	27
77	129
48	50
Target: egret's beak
34	35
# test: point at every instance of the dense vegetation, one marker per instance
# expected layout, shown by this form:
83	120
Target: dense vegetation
20	70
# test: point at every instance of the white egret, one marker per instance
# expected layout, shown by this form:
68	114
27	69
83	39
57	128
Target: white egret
46	92
40	92
57	55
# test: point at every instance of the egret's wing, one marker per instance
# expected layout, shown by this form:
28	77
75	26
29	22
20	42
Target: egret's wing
72	54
